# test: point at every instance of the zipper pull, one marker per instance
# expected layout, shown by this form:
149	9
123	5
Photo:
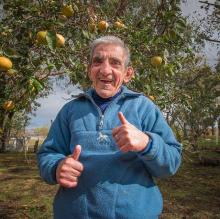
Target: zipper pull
101	123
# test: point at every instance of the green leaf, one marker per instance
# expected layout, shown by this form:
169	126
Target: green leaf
38	85
50	66
147	87
85	34
51	39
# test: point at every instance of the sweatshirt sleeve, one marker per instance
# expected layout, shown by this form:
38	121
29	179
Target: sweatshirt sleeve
164	156
55	147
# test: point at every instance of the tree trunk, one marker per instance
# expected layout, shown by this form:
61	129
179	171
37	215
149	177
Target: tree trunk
185	134
213	130
4	140
6	128
2	134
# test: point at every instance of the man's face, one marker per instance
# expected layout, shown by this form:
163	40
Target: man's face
107	70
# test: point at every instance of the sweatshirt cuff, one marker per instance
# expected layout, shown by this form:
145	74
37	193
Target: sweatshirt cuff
54	169
151	150
147	148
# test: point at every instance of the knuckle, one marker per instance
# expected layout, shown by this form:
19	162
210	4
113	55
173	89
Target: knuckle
126	132
127	126
78	173
74	184
62	182
81	167
63	168
69	160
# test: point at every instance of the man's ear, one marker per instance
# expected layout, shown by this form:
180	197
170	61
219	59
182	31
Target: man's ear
129	74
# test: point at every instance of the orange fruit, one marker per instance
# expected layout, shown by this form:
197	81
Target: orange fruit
60	40
156	61
33	89
119	25
41	37
5	63
8	105
103	25
67	10
152	97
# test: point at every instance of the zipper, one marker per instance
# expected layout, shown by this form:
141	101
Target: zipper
102	115
101	123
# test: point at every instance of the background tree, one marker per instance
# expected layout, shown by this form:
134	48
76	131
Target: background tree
44	39
194	107
41	131
209	27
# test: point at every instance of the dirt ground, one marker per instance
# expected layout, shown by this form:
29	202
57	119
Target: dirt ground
194	192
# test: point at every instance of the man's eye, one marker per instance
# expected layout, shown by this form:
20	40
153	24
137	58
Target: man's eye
97	60
116	62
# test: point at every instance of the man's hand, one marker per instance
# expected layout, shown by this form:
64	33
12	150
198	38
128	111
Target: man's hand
70	169
128	137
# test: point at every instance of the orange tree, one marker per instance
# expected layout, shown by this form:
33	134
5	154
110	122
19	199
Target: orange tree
192	102
208	27
49	38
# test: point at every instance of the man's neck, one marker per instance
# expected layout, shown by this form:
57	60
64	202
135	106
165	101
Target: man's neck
104	102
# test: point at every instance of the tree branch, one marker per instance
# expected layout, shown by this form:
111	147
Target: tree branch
208	3
212	40
50	74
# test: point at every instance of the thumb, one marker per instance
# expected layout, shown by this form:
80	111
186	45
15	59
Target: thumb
76	152
122	118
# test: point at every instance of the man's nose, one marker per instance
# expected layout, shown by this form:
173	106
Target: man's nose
105	68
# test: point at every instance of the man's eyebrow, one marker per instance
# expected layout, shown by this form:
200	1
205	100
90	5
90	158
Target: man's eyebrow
116	59
97	56
101	57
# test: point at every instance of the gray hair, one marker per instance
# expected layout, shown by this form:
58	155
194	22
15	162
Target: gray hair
110	40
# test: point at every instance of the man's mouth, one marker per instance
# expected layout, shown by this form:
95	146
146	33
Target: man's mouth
106	81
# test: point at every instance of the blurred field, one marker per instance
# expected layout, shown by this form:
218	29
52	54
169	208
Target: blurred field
194	192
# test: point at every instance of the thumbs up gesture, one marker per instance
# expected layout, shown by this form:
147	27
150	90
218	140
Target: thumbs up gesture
128	137
69	169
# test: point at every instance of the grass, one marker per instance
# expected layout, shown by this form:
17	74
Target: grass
194	192
23	194
209	142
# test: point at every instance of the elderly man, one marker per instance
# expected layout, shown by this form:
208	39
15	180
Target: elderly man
105	146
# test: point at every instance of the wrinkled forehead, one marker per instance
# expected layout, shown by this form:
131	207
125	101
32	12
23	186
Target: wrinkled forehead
109	50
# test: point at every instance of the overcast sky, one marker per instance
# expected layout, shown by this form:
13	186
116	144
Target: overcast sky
192	11
53	103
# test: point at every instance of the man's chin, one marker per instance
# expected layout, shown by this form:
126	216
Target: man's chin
104	93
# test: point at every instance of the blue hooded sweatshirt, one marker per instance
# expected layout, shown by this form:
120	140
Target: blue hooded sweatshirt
113	184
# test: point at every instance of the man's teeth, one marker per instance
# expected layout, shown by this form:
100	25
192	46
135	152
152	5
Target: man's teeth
105	80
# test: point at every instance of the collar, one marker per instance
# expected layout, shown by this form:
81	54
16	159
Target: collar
125	93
